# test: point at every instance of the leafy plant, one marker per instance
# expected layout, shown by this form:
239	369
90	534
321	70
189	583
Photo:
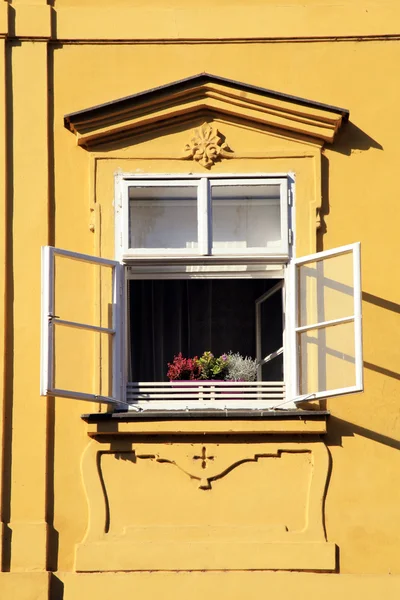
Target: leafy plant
230	367
241	368
213	367
183	368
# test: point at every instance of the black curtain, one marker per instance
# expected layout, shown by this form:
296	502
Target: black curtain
195	315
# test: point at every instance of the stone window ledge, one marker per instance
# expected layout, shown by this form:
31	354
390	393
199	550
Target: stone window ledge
286	422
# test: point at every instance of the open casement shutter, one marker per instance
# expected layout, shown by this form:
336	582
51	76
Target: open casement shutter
81	346
265	319
327	331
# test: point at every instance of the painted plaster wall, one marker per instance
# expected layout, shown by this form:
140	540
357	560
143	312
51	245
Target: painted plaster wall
47	196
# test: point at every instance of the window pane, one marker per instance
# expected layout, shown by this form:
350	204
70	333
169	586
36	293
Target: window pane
91	302
163	217
271	336
246	216
326	289
327	358
82	360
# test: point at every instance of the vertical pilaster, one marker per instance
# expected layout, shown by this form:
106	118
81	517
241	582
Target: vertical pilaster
3	244
29	64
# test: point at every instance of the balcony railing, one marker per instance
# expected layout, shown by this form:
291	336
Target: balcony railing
193	394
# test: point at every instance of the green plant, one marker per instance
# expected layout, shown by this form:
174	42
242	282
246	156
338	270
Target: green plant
213	367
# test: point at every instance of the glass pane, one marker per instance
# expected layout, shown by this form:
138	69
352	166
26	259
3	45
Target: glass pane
246	216
163	217
83	291
327	358
82	360
326	289
271	336
273	370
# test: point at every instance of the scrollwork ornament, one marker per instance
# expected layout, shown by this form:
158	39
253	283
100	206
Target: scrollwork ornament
207	146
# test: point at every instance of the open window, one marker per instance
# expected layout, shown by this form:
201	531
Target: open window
194	315
206	265
81	346
328	327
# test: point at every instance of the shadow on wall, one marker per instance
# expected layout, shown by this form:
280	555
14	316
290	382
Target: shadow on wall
387	305
349	139
340	428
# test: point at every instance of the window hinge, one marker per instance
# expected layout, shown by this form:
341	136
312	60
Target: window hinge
290	236
289	196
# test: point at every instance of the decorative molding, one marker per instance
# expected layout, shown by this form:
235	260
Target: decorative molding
204	465
118	538
200	95
203	471
207	146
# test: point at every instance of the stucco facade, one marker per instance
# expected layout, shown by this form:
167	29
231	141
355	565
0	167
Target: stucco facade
97	508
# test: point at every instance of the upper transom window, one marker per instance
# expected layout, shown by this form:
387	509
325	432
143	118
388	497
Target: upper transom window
205	216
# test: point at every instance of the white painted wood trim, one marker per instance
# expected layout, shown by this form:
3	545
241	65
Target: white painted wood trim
77	325
318	256
357	290
49	319
355	250
324	324
46	338
203	218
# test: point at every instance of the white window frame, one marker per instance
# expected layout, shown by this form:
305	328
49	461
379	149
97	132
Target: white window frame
356	318
133	266
49	319
173	264
204	187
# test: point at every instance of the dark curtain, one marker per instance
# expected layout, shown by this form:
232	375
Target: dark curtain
192	316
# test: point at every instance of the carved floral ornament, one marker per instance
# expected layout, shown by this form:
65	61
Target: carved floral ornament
207	146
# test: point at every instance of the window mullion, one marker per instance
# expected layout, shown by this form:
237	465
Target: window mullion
203	217
284	205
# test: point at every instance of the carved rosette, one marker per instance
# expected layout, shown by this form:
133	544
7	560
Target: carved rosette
207	146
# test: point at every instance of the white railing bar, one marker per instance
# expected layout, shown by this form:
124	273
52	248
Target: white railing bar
203	396
205	391
81	325
205	383
325	324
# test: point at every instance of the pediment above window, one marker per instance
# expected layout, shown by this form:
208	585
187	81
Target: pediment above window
205	95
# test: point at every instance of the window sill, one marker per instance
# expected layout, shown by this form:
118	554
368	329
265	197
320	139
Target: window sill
207	422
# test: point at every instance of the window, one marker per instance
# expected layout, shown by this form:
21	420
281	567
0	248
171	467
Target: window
203	264
203	217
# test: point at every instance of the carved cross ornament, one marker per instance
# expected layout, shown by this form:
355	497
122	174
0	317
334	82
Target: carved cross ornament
204	457
207	146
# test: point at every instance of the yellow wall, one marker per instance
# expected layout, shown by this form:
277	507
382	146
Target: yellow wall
73	55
